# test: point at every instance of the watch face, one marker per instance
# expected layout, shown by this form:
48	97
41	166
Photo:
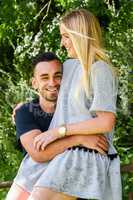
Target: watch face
62	131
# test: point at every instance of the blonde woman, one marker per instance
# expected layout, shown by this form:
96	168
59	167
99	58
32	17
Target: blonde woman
86	106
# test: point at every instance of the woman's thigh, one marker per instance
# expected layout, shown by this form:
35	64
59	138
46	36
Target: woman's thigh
17	193
40	193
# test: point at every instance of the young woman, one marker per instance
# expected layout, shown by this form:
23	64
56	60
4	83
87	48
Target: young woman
86	105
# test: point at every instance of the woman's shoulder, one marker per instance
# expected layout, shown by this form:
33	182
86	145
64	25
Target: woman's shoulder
70	62
100	64
102	67
69	66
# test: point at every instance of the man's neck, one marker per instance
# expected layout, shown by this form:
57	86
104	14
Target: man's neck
47	106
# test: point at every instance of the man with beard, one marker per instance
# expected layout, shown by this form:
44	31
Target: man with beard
34	117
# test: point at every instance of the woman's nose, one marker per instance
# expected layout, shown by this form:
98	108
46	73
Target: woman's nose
62	43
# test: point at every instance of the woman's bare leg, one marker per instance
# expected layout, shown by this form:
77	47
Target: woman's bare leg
40	193
17	193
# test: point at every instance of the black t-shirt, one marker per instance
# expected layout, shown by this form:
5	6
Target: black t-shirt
30	116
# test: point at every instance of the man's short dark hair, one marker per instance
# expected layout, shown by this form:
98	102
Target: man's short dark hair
44	57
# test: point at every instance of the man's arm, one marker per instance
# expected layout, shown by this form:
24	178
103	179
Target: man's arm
59	146
27	130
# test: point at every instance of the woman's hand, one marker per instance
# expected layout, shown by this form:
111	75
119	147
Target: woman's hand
47	137
17	106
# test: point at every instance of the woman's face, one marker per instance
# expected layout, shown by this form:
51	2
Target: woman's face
67	42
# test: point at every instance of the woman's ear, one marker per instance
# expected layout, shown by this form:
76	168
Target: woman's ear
34	83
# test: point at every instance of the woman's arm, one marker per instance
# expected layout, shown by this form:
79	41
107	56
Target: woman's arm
97	142
103	123
103	104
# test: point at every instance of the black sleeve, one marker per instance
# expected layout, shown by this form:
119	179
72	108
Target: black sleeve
24	121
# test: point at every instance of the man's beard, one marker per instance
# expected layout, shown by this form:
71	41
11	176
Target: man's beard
50	100
47	98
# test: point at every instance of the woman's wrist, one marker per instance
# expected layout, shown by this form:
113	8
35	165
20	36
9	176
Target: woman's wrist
62	131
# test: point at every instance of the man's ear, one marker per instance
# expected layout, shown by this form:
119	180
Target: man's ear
34	83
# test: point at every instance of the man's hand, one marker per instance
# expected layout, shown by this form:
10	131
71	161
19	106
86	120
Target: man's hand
14	111
97	142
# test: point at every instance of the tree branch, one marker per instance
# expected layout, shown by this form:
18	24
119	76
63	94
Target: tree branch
5	184
127	168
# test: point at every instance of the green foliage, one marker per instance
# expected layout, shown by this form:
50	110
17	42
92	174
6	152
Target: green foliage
29	27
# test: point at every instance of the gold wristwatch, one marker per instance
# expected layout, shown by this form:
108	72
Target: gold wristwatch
62	130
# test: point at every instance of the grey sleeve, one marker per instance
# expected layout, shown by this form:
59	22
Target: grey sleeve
104	88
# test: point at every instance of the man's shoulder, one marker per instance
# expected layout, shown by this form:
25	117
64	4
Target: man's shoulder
23	108
28	107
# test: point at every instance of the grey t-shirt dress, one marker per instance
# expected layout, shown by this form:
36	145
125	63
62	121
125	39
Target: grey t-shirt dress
79	172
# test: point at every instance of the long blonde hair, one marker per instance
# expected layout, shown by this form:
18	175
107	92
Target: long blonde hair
85	32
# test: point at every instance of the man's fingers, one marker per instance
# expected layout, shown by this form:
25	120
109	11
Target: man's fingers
103	138
100	150
13	116
103	141
104	144
103	147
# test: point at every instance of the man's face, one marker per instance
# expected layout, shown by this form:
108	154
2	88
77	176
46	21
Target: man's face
47	79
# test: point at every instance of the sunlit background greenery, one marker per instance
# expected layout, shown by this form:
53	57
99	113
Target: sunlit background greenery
28	27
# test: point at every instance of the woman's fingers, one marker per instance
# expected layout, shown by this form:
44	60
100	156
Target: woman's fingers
43	146
38	141
16	107
41	141
37	144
